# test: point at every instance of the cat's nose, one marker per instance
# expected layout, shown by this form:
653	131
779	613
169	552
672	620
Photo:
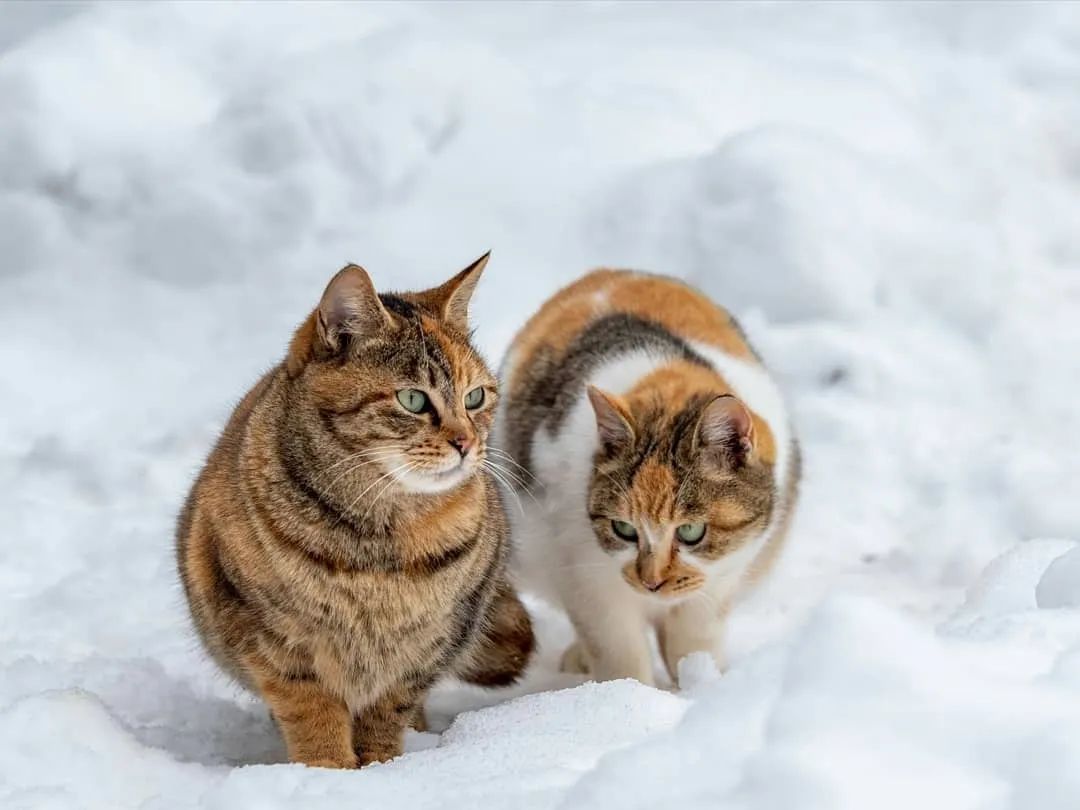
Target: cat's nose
653	583
462	444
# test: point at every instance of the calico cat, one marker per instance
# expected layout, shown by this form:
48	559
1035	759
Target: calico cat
661	463
345	545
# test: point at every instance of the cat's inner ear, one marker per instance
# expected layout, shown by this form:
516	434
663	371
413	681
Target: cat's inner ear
613	422
726	430
451	299
350	306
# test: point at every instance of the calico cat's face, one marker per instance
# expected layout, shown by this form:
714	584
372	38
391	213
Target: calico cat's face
397	383
677	495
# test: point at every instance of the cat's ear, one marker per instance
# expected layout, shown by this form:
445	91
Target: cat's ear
613	421
726	430
451	299
349	306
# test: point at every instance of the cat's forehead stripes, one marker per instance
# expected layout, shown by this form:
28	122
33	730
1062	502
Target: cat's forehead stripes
399	305
652	491
437	359
425	353
462	370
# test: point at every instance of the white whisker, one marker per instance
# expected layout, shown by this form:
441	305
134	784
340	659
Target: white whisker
709	598
411	466
493	465
498	477
509	473
353	469
383	477
502	454
360	454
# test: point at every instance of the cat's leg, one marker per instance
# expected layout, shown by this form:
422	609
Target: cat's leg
689	627
575	660
419	719
316	725
612	633
378	730
504	644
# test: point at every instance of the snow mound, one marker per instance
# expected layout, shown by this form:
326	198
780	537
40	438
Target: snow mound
1059	586
1010	582
64	749
863	708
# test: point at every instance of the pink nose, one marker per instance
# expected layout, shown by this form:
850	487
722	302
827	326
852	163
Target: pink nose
653	584
462	444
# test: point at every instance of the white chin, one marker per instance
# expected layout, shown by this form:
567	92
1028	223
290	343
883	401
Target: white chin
434	482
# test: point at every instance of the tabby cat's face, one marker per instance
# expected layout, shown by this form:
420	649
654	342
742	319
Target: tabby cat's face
397	383
417	402
676	495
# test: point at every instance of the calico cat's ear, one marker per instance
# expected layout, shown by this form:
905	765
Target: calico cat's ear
349	306
451	299
727	429
613	421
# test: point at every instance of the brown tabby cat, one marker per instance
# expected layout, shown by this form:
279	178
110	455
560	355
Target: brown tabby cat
344	546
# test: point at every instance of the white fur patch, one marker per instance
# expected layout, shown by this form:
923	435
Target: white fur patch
431	481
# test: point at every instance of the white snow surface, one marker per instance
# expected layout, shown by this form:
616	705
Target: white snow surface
887	195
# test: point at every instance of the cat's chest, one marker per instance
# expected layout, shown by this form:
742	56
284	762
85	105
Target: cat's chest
424	589
382	634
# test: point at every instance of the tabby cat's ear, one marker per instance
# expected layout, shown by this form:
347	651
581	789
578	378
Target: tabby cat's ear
613	421
349	306
726	430
451	299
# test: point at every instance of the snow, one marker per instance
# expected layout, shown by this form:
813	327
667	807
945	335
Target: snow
886	196
1057	586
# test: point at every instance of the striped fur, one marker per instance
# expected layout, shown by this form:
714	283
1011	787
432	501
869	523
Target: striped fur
338	553
632	397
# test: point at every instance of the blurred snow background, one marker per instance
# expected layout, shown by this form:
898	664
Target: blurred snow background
888	195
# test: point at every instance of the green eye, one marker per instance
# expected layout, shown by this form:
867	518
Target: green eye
691	533
474	399
624	530
412	400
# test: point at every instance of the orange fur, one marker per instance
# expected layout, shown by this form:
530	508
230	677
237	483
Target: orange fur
667	301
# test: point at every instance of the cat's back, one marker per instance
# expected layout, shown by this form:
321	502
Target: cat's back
208	532
218	480
614	329
620	297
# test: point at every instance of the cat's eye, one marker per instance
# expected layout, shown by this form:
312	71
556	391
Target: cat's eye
474	399
412	400
624	530
690	533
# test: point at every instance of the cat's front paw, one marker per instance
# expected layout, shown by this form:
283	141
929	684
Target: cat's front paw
419	720
345	763
574	660
373	755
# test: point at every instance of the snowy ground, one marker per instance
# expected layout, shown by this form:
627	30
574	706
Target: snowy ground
889	197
